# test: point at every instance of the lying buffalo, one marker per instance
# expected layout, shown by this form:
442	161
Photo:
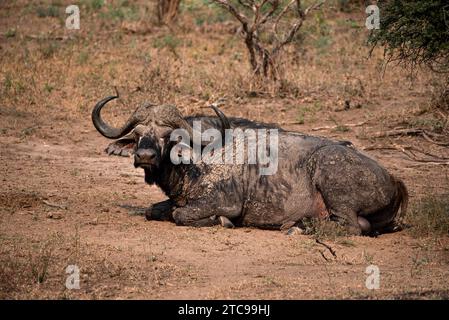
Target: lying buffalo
315	177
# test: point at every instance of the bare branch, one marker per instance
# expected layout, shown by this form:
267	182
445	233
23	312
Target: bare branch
279	16
298	24
247	3
274	6
228	6
314	6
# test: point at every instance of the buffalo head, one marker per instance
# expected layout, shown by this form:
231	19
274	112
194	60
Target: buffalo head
147	132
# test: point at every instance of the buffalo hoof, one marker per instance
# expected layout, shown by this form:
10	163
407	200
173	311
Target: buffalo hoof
294	231
148	214
225	222
160	211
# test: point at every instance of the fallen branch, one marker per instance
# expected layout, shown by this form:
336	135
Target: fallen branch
397	132
55	205
407	150
332	251
322	254
428	153
426	136
403	149
430	164
348	125
370	148
413	156
412	132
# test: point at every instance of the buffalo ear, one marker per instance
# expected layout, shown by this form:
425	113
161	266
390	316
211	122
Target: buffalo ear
122	147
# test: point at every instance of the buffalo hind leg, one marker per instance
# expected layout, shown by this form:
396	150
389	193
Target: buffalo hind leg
365	225
355	225
161	211
349	220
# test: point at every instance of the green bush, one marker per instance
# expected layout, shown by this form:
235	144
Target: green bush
414	32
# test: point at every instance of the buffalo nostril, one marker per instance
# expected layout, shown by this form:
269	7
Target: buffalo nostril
145	155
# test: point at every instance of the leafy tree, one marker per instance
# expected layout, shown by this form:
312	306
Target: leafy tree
267	27
414	32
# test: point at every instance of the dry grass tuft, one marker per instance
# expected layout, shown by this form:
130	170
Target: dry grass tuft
429	217
324	229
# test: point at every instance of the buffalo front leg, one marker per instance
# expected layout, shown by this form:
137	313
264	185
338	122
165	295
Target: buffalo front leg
225	222
204	216
194	217
161	211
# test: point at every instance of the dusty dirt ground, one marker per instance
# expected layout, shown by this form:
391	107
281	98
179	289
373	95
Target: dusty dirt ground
63	201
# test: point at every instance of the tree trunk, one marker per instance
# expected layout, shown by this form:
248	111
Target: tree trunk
262	60
167	10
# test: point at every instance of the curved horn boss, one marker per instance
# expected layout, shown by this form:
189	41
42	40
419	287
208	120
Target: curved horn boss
105	129
225	124
174	118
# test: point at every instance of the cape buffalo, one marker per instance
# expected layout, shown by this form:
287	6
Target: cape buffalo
315	176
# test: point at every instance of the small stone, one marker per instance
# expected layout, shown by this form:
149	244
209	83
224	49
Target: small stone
54	215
